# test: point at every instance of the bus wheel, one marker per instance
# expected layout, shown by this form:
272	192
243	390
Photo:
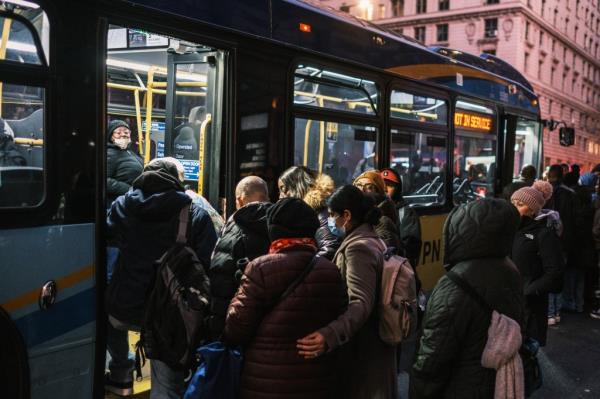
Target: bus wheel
14	377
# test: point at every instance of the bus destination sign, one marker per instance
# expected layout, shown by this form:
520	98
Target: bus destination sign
472	121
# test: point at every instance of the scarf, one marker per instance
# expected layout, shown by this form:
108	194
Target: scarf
502	354
284	243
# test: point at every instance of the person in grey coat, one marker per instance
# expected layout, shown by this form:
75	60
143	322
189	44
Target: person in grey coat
367	365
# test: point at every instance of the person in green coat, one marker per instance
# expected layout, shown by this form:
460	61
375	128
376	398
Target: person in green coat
478	238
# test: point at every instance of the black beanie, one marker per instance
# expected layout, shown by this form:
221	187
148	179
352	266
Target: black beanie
113	125
291	218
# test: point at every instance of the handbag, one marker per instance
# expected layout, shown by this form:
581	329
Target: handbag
218	375
532	373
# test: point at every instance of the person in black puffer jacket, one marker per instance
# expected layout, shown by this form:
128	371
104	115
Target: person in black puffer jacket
123	166
244	238
536	252
314	189
478	238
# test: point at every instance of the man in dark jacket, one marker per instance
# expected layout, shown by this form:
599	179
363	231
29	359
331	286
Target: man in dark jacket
123	166
528	175
143	223
563	202
244	238
478	237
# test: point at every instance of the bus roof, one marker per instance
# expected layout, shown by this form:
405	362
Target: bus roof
302	23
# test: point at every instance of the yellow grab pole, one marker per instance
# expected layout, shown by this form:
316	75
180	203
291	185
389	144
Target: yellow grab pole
148	114
306	141
201	156
138	118
31	142
3	46
321	140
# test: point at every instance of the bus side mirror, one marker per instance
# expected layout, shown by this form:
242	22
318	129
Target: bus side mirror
566	136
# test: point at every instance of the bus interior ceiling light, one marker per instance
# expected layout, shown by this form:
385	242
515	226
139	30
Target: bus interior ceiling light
22	3
20	46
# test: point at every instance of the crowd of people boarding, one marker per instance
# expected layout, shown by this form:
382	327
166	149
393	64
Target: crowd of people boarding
296	283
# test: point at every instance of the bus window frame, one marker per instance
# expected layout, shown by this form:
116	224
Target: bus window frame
424	89
496	132
41	76
295	111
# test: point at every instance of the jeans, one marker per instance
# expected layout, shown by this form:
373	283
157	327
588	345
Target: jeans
166	382
554	304
573	289
121	363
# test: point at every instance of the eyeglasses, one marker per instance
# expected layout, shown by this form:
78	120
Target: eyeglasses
365	186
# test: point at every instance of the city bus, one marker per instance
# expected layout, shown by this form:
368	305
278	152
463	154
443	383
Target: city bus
231	88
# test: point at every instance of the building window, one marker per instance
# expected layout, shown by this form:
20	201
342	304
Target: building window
564	79
398	8
491	27
540	67
490	52
552	72
381	11
345	8
492	1
541	38
543	6
421	6
553	45
442	33
526	64
420	34
576	32
444	5
527	27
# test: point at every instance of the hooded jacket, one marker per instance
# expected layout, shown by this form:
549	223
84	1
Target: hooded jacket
478	237
143	224
122	168
316	198
245	236
388	227
563	202
536	253
583	254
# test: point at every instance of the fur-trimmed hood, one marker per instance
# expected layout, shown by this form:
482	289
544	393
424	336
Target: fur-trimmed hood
317	196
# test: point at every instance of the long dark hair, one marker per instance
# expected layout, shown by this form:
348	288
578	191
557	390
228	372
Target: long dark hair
362	207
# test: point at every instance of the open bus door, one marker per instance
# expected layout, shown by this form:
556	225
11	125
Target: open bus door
522	146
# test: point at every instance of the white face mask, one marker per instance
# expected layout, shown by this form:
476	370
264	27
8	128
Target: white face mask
122	142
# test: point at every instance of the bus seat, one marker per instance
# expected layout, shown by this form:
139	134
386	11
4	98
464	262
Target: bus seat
185	145
21	186
197	115
31	127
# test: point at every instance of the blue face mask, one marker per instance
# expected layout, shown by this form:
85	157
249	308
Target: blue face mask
336	231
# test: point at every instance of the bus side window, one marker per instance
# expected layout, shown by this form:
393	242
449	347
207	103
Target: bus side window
22	113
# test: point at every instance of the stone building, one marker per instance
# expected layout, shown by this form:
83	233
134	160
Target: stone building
555	43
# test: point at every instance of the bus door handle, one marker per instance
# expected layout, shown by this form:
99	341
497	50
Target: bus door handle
47	295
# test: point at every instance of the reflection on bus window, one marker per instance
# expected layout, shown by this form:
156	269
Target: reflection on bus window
420	159
340	150
21	145
474	169
418	108
318	87
526	144
21	46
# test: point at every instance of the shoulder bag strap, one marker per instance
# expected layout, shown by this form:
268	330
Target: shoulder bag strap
184	219
466	287
297	281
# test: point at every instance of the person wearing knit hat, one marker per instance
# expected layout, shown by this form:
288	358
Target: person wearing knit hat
123	166
291	218
528	201
545	188
536	252
371	184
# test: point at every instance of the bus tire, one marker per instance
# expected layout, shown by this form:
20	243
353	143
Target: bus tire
14	374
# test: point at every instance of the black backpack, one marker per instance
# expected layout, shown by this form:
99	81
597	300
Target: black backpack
177	304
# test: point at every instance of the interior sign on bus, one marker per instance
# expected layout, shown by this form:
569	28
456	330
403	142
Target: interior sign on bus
473	121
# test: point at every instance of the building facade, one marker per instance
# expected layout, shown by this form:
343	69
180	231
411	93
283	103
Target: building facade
554	43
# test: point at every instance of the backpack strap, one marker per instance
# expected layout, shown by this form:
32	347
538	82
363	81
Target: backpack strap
184	219
467	288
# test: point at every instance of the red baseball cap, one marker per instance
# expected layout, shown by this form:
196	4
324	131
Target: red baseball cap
390	175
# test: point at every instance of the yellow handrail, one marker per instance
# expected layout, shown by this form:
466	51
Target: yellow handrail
32	142
155	91
321	140
149	91
3	46
201	157
306	141
138	119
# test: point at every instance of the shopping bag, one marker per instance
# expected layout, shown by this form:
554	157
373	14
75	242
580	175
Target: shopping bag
218	375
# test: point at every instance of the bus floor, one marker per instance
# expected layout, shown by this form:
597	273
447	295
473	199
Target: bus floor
141	389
